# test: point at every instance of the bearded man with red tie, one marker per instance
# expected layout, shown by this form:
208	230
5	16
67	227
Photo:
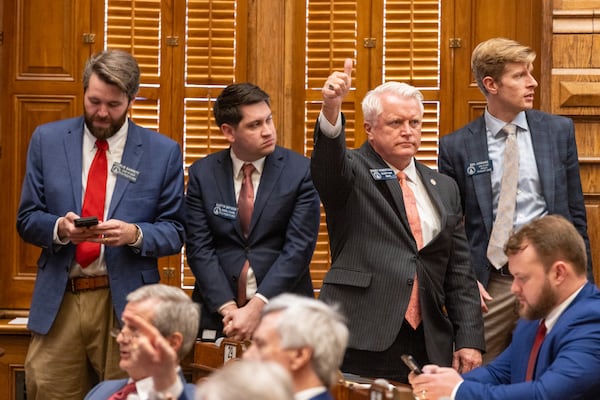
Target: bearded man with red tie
554	351
127	183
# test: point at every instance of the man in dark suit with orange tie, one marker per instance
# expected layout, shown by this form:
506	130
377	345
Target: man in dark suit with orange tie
252	217
400	260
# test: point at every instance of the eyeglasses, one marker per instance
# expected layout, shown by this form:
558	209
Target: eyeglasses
115	332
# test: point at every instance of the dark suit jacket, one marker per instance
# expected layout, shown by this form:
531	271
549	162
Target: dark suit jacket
568	362
105	389
375	257
553	139
52	187
283	230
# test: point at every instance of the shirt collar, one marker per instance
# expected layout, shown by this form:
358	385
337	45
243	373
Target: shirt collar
410	170
495	125
308	394
557	311
116	140
238	164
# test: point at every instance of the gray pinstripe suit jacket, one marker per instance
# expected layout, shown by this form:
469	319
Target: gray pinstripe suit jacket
374	256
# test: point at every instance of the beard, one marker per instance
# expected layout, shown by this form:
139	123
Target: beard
545	304
104	133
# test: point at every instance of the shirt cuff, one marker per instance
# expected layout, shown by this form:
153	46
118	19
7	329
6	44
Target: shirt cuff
330	131
453	394
263	298
55	237
138	240
225	305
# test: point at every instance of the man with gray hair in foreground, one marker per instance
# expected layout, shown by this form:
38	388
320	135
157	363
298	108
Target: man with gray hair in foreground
307	337
160	324
247	380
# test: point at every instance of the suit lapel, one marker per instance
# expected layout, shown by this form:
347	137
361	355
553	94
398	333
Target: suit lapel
132	156
271	174
73	140
393	186
224	184
477	151
542	148
430	182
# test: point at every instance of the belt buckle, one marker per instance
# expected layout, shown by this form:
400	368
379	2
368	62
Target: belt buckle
72	282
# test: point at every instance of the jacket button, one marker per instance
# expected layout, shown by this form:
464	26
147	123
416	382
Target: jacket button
410	282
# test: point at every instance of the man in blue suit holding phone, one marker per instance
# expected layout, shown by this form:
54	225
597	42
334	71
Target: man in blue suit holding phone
99	165
252	218
554	351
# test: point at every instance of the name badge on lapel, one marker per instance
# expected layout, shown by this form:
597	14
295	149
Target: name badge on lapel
479	167
383	174
125	171
225	211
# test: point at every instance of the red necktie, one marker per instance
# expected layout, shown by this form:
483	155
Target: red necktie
93	202
413	311
124	392
245	209
535	349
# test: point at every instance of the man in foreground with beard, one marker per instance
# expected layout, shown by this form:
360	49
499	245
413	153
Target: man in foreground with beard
129	181
554	351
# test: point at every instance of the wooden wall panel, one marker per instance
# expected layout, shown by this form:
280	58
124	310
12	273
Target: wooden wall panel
47	42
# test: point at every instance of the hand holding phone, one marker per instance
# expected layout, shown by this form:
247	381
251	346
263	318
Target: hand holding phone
411	364
86	221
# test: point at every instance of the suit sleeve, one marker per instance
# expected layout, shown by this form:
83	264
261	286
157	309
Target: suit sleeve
462	293
571	373
201	247
165	235
35	223
300	239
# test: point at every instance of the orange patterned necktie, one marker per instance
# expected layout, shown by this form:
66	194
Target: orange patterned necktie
413	311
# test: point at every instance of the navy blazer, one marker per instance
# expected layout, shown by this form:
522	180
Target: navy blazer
105	389
283	230
568	365
375	257
52	187
555	150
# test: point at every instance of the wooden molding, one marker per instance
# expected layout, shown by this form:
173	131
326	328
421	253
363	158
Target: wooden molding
576	21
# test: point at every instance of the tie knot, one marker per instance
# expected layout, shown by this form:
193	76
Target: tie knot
102	145
401	176
248	169
510	129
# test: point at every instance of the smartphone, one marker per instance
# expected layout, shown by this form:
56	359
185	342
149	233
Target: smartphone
86	221
411	363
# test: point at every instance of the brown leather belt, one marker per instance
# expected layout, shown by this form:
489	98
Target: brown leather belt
87	283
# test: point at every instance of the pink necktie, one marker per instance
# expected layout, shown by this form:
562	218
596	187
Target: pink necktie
93	202
245	209
535	349
124	392
413	311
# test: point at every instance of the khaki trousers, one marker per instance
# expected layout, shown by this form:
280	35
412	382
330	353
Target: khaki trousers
501	319
77	352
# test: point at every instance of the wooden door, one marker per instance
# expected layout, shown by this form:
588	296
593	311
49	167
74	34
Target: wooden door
45	46
466	23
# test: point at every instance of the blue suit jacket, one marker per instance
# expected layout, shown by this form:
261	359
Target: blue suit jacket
105	389
568	365
283	230
52	187
555	150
